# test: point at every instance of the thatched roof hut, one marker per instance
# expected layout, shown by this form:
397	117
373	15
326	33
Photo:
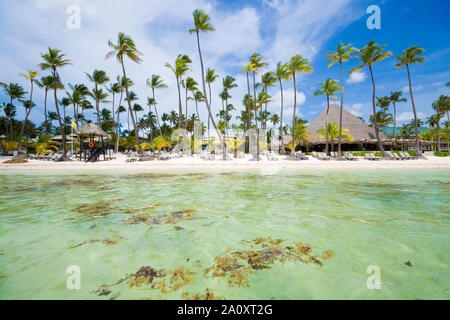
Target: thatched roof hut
356	127
91	130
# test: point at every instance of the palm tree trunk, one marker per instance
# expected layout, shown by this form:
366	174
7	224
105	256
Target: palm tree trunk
340	114
395	119
249	118
256	118
326	125
206	98
156	112
437	131
136	135
45	109
180	110
61	127
186	111
293	121
375	124
418	153
116	129
22	129
281	119
209	119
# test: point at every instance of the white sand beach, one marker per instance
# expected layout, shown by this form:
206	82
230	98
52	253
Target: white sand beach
243	164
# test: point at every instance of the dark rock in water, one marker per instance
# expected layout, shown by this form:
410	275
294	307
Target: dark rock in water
408	263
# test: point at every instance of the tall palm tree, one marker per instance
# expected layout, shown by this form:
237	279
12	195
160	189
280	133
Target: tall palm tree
282	73
343	54
156	83
99	96
10	113
268	79
439	106
53	60
98	77
297	64
202	23
396	97
412	55
137	108
211	76
120	109
46	83
125	46
14	91
180	67
329	88
114	88
228	83
371	54
198	97
383	103
31	76
189	85
256	60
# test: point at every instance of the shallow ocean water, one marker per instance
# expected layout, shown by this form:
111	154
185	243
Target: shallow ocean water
170	236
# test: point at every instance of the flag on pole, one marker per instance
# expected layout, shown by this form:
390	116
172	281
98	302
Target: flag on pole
74	125
121	131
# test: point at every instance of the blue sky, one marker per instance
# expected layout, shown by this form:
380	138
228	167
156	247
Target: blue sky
278	29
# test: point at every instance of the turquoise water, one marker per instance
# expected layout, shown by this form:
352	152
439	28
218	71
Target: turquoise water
171	236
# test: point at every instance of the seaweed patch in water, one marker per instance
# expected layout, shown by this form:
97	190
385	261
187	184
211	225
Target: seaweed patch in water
208	295
96	209
236	266
107	241
171	218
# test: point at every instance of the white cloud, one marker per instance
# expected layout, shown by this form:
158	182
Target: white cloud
415	88
356	77
355	109
408	116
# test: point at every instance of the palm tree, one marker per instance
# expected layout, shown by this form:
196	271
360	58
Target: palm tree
180	67
248	68
439	106
342	54
329	88
30	75
46	83
228	83
99	96
371	54
114	88
198	97
396	98
14	91
156	83
10	113
256	61
333	131
211	76
297	64
99	77
268	79
282	73
137	108
53	60
202	23
412	55
383	103
190	85
173	118
125	47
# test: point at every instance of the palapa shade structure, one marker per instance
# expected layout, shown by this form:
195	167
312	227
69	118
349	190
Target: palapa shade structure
357	128
91	130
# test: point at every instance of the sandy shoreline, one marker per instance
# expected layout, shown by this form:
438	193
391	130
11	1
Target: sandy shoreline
199	165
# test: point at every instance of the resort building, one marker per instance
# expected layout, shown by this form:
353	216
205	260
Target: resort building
364	137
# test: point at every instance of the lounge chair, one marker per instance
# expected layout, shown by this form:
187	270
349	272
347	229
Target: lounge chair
272	157
322	156
372	157
407	155
351	157
394	155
